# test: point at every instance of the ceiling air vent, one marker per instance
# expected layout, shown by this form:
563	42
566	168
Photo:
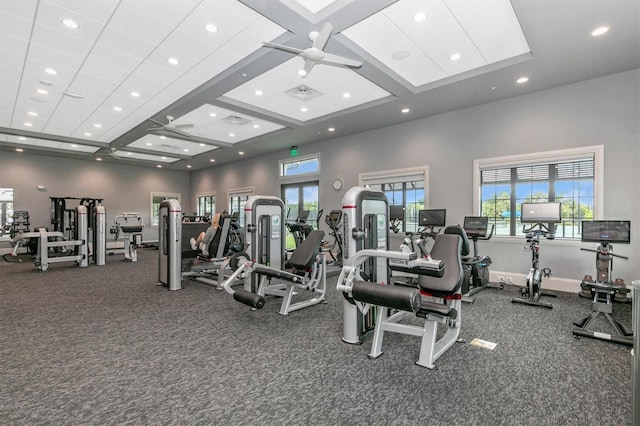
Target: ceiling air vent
303	92
235	120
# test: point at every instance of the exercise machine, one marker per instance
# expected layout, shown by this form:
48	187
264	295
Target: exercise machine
477	266
129	225
396	217
603	289
542	218
334	222
267	273
435	299
300	228
169	240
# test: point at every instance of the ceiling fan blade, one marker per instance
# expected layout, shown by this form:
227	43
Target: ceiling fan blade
283	47
340	60
155	121
178	131
321	41
308	65
184	126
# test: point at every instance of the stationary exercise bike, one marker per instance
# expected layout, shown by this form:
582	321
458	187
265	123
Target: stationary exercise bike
603	290
537	214
476	266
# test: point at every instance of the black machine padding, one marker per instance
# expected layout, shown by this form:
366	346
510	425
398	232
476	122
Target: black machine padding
248	298
447	248
276	273
130	229
305	254
395	297
427	308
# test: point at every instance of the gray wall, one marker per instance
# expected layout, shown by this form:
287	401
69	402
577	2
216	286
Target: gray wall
123	187
599	111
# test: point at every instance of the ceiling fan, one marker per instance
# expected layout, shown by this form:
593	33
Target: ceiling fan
315	53
170	127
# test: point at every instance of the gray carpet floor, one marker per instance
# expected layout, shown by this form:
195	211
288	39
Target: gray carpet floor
105	345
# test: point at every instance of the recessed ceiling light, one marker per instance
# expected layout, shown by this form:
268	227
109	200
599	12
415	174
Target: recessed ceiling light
599	31
22	138
522	80
28	124
32	113
159	166
173	61
405	110
419	17
163	137
201	144
129	153
117	108
213	160
50	71
304	109
97	125
148	144
258	92
98	159
232	134
455	56
87	134
135	94
302	73
211	28
70	23
73	145
19	150
188	166
346	95
42	91
400	54
256	126
186	150
331	129
240	152
164	158
493	87
212	114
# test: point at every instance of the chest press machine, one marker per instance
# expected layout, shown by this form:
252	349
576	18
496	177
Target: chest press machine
364	281
264	274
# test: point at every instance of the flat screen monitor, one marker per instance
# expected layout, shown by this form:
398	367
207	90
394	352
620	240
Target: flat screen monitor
303	216
540	213
476	225
611	231
396	213
432	217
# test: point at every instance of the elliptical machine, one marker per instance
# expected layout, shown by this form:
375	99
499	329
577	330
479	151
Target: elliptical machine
537	214
603	290
334	222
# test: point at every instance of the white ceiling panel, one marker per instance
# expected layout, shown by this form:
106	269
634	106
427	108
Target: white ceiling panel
147	157
51	15
23	8
170	146
233	11
116	69
60	43
493	16
184	45
504	43
375	33
217	61
14	46
416	67
140	24
126	43
15	26
169	11
90	85
99	11
401	14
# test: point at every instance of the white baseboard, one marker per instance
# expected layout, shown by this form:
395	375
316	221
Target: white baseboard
551	283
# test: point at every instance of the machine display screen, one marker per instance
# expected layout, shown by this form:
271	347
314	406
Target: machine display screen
396	213
476	225
540	213
611	231
432	217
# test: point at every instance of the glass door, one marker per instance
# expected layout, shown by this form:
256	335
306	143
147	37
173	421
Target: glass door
301	201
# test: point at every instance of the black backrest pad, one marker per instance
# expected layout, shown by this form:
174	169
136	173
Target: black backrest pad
305	254
458	230
446	247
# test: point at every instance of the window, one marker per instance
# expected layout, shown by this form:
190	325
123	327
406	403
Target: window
206	204
6	212
156	199
300	197
572	177
309	164
237	200
406	188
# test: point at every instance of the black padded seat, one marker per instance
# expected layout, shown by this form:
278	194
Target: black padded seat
305	254
465	250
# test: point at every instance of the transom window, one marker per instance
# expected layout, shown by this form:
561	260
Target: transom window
297	166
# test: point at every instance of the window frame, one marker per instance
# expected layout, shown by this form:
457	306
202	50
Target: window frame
282	163
202	195
544	157
239	192
166	196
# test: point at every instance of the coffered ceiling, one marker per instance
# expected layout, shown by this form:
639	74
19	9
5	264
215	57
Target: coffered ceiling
190	84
